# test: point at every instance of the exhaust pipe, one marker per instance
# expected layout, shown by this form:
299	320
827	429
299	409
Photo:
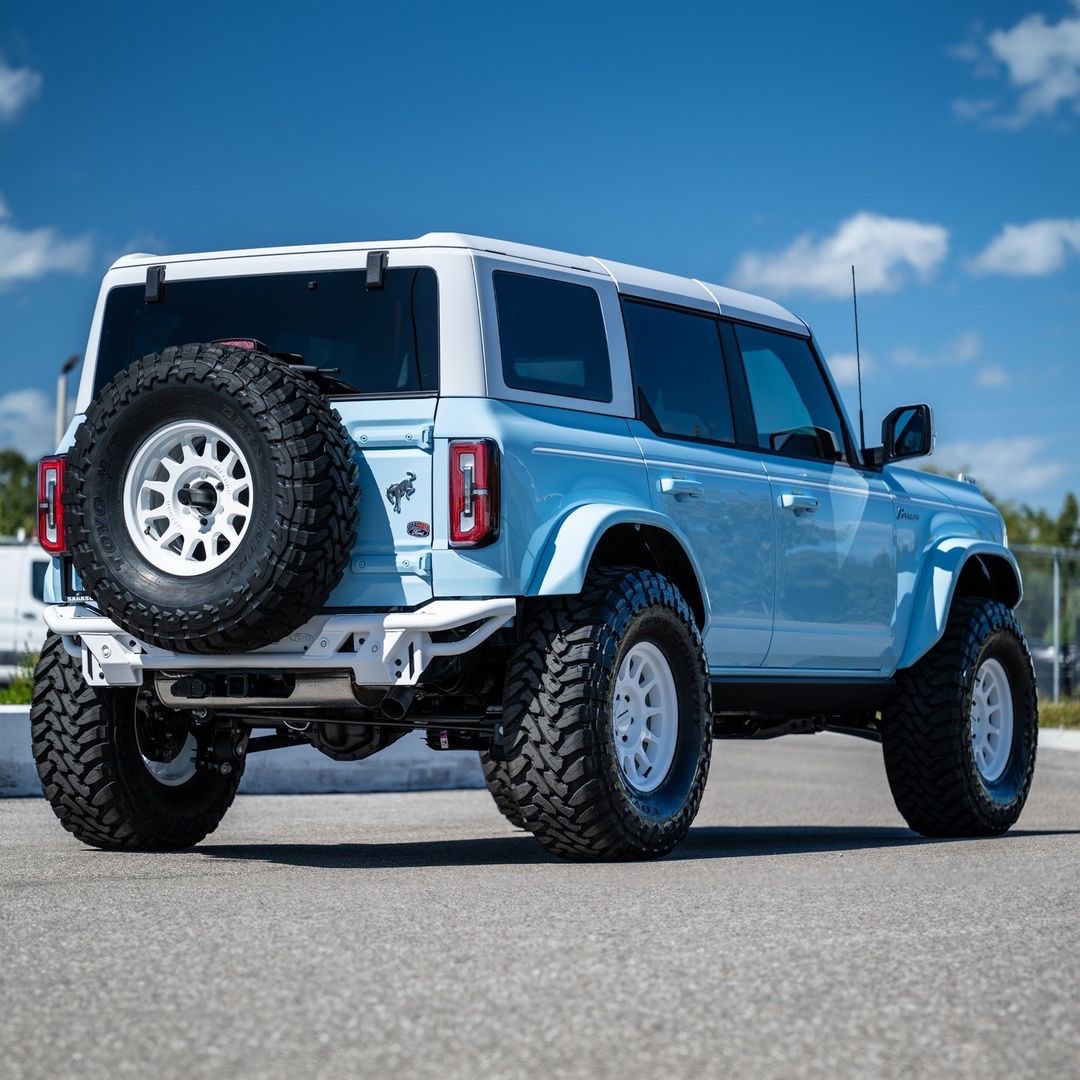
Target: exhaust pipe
397	702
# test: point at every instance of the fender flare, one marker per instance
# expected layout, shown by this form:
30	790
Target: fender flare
560	567
942	566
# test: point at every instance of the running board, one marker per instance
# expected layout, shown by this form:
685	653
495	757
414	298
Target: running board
799	697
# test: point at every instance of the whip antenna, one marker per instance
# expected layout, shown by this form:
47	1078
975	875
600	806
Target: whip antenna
858	361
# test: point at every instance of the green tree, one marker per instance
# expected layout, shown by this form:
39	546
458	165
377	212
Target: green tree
1068	522
18	493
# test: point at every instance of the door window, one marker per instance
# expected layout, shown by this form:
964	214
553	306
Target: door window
679	374
793	410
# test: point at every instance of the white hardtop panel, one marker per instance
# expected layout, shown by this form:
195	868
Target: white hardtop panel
656	285
459	241
746	306
460	341
631	280
142	258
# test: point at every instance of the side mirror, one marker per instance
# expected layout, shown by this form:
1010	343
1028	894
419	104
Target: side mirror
907	432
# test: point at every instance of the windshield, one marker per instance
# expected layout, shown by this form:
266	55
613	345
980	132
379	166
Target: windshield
381	341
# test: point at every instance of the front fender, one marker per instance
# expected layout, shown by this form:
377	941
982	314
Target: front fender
936	587
566	554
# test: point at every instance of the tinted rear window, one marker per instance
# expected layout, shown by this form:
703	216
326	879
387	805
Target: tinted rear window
552	338
383	341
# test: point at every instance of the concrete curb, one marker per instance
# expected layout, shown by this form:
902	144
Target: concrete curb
408	765
1057	738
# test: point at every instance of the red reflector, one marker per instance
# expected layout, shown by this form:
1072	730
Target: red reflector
474	492
50	519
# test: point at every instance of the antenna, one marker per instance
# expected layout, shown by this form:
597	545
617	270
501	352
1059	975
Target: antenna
858	361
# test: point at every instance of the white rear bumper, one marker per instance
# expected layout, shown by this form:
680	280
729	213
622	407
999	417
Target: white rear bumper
378	648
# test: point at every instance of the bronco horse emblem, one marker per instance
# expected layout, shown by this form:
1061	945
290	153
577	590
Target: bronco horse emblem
403	489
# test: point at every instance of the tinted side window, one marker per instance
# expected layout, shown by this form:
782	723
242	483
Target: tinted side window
679	372
552	337
792	405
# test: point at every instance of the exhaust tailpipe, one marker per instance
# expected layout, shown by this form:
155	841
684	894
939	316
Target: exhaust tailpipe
397	702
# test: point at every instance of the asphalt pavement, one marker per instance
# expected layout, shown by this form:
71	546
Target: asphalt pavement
802	930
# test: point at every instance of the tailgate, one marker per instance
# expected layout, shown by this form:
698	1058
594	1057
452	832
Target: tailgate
391	563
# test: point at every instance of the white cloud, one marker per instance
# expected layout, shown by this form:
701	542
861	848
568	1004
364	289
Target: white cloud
30	253
17	87
1041	61
27	419
1032	250
962	350
885	252
993	377
845	368
1010	468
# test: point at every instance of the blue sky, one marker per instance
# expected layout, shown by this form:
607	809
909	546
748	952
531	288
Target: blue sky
766	146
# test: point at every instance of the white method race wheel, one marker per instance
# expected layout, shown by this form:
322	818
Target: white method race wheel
645	716
188	498
991	720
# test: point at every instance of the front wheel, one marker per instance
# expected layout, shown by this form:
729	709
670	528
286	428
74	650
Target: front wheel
117	774
960	735
607	719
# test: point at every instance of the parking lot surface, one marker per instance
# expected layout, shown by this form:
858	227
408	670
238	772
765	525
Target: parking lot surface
801	931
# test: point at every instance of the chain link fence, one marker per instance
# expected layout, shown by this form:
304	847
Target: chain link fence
1050	616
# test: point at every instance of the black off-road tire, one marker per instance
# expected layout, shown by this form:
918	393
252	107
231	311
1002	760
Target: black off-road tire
557	714
927	734
92	771
304	510
497	778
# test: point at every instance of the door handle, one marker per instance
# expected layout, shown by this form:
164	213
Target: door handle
30	615
798	503
677	486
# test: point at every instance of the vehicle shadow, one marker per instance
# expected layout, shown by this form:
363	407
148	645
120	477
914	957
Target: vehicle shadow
704	842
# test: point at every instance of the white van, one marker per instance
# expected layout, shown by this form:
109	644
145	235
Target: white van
23	566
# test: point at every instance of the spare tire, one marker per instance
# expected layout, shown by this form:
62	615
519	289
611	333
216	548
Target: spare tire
211	499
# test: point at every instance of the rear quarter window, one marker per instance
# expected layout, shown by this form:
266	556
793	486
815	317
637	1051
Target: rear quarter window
552	338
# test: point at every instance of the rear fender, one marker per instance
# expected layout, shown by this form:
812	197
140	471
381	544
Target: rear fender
942	568
565	557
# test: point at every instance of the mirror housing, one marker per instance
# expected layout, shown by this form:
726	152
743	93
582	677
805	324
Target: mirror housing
907	432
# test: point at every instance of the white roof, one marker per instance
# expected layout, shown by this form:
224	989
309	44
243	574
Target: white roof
630	280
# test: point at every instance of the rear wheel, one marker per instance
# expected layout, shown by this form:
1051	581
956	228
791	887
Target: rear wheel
116	773
497	778
960	735
607	719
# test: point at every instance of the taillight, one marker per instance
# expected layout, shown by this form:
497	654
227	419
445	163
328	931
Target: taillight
474	492
51	506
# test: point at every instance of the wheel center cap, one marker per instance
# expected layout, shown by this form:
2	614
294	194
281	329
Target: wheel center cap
200	496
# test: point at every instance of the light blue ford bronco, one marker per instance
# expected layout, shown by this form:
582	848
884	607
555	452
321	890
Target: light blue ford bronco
581	517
